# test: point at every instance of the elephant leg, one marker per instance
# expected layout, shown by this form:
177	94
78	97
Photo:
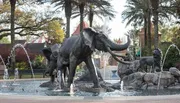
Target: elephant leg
72	69
93	72
52	79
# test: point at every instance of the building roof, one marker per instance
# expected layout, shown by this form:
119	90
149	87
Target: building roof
77	31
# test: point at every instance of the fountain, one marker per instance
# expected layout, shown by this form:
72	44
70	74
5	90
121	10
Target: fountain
133	79
122	86
6	74
162	62
29	61
16	76
26	87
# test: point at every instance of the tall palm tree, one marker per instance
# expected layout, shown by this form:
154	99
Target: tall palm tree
67	5
160	9
93	10
155	5
140	10
137	11
92	7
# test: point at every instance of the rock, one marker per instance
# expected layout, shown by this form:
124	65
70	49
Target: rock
116	86
87	77
174	71
178	79
167	79
135	80
126	69
151	78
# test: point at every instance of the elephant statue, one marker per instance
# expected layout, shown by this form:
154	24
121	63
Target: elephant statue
51	54
153	61
77	49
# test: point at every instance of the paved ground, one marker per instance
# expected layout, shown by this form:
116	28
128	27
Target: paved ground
123	99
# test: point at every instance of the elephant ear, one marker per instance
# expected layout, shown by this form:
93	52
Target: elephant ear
47	53
55	50
88	37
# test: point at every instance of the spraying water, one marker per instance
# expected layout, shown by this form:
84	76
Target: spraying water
59	79
6	74
3	62
16	76
122	86
71	89
29	61
162	62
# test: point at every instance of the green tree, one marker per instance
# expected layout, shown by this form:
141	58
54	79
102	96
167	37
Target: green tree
5	40
27	22
55	32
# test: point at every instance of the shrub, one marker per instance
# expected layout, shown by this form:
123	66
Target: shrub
22	66
38	62
172	57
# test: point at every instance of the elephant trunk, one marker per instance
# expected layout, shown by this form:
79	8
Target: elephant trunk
116	47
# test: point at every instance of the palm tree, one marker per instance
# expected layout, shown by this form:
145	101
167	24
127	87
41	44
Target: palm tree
92	7
155	5
96	10
137	11
67	5
140	10
160	9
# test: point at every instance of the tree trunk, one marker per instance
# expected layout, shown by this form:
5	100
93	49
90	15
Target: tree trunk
68	27
156	37
149	32
81	8
145	31
13	3
68	10
91	14
155	5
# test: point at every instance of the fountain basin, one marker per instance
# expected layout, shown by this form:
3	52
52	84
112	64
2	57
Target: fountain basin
31	87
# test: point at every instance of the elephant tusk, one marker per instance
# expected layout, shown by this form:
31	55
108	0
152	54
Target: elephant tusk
109	50
115	57
124	62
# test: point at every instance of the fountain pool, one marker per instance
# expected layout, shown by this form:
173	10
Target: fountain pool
27	87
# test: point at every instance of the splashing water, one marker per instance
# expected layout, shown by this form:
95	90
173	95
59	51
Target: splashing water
6	74
71	92
3	62
122	86
29	61
16	76
163	61
59	78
